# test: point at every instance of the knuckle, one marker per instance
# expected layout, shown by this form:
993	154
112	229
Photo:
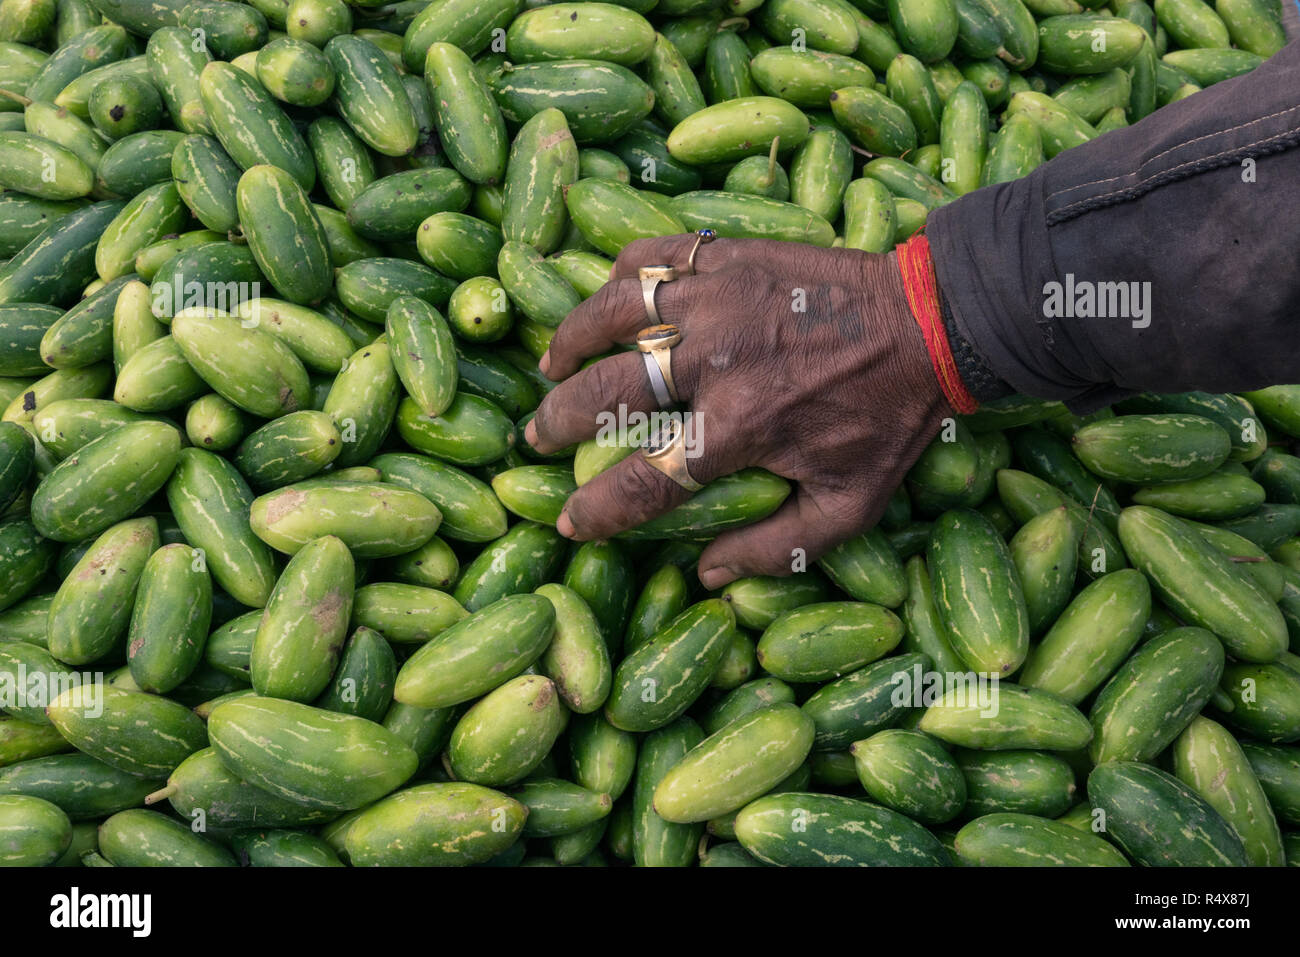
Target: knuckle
544	417
565	340
634	253
646	252
775	249
583	506
686	375
839	523
747	283
559	350
773	562
595	323
844	505
746	275
584	321
598	302
600	383
712	459
596	509
619	499
673	301
611	313
624	303
645	488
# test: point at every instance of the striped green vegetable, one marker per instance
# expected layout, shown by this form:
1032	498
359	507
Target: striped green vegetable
372	519
1159	821
54	266
210	500
301	633
1091	637
742	761
1210	761
656	683
284	233
369	93
1012	717
1154	695
244	365
655	841
821	641
508	733
911	773
435	825
142	734
169	623
35	831
202	782
251	126
985	615
477	653
833	831
352	761
601	100
1198	582
1024	840
467	118
106	482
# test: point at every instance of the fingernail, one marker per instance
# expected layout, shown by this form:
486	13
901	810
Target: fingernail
544	363
716	577
564	526
530	433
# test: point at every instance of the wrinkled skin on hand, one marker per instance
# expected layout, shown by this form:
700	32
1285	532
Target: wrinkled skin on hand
840	398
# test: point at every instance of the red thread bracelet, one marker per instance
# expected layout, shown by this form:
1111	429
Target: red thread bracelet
917	268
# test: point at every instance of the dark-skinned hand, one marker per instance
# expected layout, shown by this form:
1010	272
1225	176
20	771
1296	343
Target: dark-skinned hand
802	360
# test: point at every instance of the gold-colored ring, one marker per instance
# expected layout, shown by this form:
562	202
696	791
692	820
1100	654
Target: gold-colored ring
702	236
666	452
657	342
651	277
663	336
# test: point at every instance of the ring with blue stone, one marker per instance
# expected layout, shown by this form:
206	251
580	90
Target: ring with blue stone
702	236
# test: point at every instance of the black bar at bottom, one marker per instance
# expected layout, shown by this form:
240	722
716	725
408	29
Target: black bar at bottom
304	907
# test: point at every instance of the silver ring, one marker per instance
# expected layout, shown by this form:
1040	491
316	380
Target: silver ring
657	384
657	342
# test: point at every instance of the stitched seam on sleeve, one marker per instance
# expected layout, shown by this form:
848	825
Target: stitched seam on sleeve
1278	143
1111	179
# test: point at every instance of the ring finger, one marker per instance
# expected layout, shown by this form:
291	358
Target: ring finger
633	491
574	409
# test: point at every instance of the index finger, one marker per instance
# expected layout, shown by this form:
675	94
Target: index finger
711	256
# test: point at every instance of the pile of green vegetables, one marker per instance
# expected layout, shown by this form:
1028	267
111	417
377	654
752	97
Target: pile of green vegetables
280	583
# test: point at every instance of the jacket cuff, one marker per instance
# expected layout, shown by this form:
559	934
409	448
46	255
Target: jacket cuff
981	381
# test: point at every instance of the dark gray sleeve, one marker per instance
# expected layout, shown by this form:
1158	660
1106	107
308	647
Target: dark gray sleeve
1161	257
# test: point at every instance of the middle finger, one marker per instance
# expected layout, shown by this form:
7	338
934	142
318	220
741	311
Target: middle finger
616	313
575	409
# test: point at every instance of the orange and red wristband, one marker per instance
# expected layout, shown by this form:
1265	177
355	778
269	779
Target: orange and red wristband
922	288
